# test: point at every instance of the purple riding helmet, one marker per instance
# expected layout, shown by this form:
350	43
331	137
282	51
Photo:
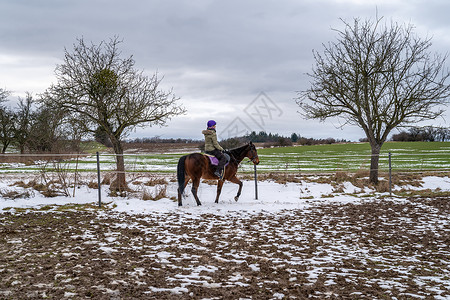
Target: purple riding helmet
211	123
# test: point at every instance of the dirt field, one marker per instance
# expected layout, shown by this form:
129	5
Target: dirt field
373	250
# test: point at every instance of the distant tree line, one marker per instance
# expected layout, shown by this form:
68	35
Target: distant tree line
159	140
273	140
425	134
278	140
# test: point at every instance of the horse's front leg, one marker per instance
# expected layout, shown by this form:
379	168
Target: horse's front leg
237	181
219	190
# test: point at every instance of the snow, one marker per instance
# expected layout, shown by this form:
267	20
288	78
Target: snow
272	199
434	182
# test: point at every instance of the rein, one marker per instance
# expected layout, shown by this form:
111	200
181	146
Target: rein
239	153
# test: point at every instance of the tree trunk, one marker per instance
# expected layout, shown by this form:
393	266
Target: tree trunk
119	184
373	176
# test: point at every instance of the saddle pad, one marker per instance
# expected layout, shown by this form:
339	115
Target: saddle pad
214	161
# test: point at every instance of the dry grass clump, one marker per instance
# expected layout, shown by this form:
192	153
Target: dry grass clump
426	193
413	179
147	179
338	188
382	186
107	179
13	194
278	177
153	181
92	184
49	189
361	180
22	184
160	192
209	181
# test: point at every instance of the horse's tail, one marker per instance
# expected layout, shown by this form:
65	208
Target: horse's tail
181	174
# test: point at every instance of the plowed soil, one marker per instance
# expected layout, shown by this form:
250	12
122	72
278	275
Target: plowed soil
378	249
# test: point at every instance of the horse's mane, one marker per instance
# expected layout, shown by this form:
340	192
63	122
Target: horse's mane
237	153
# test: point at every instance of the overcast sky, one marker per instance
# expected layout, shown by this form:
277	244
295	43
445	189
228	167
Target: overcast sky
240	63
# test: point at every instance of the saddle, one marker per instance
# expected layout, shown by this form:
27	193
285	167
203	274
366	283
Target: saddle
214	161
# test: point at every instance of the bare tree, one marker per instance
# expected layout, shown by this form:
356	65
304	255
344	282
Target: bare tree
6	122
3	95
376	76
47	132
23	121
7	128
101	89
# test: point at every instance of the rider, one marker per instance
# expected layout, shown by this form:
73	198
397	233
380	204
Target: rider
212	147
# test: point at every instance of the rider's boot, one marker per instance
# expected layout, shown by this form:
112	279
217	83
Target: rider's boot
219	173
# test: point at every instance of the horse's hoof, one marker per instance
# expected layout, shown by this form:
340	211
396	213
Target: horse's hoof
236	198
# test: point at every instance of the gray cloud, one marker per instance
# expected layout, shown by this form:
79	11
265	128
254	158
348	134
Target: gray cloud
216	55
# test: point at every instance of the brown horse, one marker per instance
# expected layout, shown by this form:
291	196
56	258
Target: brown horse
196	166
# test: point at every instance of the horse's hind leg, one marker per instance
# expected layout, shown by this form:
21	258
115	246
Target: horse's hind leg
195	184
180	203
180	195
219	189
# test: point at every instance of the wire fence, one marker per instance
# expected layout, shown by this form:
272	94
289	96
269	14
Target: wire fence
60	174
285	163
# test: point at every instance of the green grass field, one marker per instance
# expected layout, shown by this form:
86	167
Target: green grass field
407	156
411	156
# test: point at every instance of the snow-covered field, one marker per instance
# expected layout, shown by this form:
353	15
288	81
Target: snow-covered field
271	196
299	240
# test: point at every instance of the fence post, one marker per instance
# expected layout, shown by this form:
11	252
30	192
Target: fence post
390	175
98	182
256	184
75	180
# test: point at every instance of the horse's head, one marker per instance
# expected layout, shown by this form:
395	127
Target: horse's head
252	154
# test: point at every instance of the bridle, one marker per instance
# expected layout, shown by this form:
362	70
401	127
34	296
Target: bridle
254	158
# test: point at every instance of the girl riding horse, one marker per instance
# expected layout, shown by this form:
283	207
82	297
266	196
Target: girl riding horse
196	166
212	147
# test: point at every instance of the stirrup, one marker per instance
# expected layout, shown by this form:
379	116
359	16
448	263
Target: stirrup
219	174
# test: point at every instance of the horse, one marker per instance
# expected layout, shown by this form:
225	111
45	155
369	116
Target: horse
197	165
